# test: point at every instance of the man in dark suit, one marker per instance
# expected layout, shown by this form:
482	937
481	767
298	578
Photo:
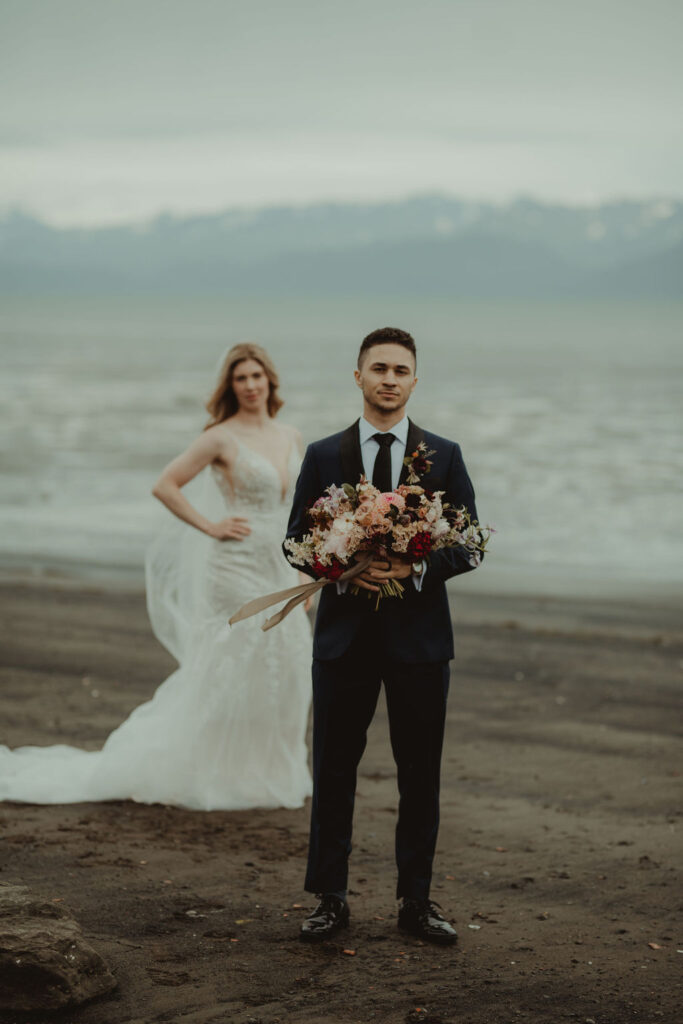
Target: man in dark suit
407	644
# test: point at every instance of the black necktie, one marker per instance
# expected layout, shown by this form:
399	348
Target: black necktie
381	471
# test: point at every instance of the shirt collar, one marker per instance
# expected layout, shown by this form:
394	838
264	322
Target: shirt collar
399	430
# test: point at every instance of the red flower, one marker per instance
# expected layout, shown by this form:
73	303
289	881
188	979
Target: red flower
420	465
420	545
330	572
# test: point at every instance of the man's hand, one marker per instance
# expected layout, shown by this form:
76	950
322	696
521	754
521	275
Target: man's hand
382	569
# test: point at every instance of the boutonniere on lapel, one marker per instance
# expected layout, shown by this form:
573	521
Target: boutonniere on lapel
418	463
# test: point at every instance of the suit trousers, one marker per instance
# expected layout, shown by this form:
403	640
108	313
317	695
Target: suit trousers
345	693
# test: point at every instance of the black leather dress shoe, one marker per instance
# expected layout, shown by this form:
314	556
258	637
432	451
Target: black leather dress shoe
331	914
421	918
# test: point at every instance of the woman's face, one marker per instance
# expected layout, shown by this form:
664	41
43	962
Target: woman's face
251	385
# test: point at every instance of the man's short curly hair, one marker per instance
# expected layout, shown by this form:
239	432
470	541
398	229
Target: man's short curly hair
384	335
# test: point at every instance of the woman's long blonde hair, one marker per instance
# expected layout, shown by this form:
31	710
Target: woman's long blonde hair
223	404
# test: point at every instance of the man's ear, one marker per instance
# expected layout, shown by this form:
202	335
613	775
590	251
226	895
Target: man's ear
357	378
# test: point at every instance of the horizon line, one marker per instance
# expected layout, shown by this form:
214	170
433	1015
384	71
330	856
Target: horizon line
13	209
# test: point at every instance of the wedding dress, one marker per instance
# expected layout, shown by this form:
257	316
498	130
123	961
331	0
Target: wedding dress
227	729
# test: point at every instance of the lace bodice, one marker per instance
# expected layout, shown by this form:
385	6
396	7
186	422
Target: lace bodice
237	569
256	484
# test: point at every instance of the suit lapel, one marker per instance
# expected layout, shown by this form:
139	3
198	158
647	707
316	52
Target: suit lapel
415	436
351	458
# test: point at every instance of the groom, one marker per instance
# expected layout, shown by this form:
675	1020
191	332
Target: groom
407	644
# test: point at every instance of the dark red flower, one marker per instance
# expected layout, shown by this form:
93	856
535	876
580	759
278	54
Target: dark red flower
329	572
420	545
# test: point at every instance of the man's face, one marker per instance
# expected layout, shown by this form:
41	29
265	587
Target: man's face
386	376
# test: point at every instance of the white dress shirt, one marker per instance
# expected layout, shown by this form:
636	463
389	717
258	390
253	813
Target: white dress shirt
368	450
369	447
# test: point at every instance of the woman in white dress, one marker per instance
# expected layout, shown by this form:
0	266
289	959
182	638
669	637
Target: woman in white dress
227	729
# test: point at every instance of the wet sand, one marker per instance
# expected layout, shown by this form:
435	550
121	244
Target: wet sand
558	855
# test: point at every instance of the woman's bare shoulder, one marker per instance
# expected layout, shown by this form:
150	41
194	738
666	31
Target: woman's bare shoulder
294	437
222	439
291	431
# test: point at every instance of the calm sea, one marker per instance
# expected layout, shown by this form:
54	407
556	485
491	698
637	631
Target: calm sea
569	417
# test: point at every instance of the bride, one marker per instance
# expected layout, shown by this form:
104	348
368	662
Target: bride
227	729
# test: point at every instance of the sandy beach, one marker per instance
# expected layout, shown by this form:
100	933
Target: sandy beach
558	855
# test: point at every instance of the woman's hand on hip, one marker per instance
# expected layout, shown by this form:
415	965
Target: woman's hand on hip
232	528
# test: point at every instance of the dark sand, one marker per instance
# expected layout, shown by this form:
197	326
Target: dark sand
558	854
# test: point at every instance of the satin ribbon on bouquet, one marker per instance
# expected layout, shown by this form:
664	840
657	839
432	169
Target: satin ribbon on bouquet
293	596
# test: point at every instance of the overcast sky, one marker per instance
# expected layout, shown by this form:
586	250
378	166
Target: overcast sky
118	109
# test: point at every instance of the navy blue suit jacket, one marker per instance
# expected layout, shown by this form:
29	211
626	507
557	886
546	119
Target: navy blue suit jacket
417	627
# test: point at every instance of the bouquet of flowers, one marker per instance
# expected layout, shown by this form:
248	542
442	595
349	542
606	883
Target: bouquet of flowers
348	523
352	526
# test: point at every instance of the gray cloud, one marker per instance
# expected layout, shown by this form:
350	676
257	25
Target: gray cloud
567	100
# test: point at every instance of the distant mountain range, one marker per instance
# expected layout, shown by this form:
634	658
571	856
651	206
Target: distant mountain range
422	246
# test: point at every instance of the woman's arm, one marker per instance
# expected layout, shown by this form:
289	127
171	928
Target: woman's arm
209	447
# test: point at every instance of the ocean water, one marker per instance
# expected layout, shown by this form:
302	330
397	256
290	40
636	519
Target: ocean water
569	417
